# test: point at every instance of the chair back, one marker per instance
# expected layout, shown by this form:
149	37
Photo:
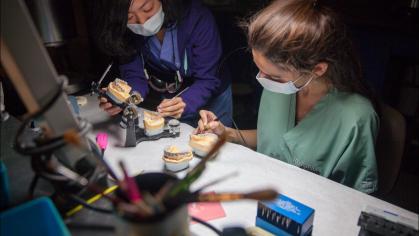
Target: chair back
389	148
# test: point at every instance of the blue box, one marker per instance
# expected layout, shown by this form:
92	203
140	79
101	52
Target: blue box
4	186
285	216
38	217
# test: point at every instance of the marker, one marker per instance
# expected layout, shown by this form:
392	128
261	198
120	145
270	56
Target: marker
131	187
102	141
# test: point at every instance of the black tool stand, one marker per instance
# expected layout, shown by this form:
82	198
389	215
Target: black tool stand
135	134
141	136
132	128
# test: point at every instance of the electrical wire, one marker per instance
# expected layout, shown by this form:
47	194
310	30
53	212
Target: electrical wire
90	227
42	170
89	206
218	232
51	144
240	133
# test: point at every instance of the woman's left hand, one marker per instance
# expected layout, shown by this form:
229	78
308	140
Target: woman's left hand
173	108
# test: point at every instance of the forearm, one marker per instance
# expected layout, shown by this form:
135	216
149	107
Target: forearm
247	138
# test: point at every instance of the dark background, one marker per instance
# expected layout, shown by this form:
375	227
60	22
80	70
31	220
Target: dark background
385	34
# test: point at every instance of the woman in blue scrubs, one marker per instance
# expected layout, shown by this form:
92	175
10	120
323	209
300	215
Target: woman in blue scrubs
170	45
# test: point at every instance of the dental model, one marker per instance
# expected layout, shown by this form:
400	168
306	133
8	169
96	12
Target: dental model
153	123
201	144
118	91
177	158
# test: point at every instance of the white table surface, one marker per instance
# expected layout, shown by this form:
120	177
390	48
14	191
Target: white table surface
337	207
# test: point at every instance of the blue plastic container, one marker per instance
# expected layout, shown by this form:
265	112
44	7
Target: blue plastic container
36	218
285	216
4	186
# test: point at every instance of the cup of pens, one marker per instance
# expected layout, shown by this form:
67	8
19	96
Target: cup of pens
156	203
143	211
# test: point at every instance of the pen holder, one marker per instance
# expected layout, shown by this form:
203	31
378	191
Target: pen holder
172	222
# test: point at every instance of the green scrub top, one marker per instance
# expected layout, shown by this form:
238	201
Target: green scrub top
335	139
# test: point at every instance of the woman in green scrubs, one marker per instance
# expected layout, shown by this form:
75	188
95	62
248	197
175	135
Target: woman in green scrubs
315	111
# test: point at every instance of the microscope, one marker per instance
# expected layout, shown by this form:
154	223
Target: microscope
61	153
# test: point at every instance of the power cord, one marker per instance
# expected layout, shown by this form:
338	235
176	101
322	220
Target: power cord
82	202
49	145
218	232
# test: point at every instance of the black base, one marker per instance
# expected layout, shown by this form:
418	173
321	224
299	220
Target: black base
141	136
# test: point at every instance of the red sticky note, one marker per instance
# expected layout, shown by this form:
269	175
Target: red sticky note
206	211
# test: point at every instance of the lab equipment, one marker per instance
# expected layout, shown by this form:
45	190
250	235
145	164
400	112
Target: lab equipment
374	222
285	216
42	92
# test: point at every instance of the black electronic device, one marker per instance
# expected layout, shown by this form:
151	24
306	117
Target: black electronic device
376	222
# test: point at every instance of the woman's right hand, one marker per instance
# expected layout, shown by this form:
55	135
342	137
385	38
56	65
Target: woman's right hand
208	123
105	105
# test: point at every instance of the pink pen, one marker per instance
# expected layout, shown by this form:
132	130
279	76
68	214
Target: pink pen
102	141
131	186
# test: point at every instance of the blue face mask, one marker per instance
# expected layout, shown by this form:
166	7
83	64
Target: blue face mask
151	27
278	87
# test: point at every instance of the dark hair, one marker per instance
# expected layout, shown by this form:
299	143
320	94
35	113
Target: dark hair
109	24
298	34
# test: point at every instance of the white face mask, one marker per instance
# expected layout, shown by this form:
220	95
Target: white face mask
151	26
278	87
